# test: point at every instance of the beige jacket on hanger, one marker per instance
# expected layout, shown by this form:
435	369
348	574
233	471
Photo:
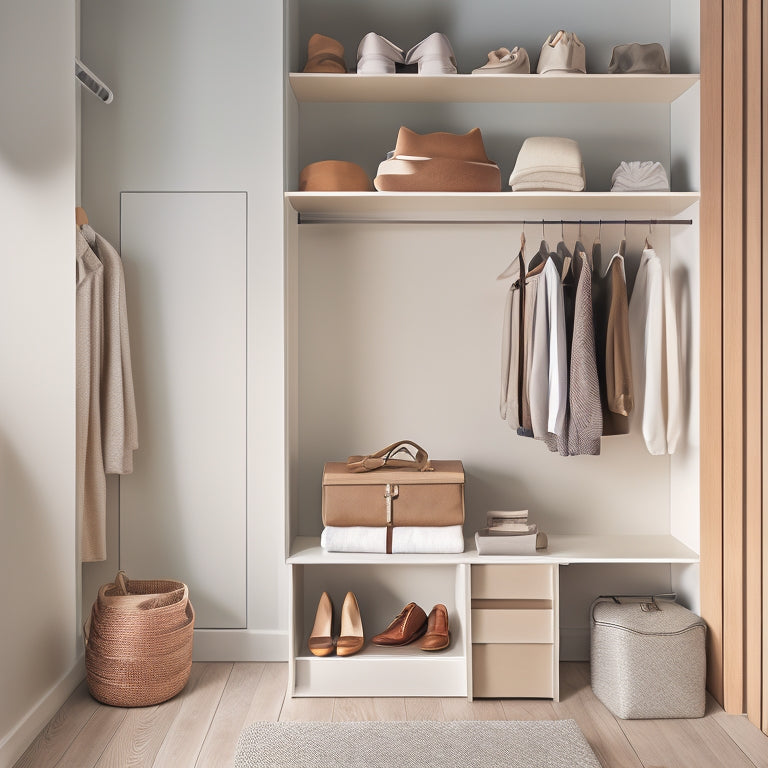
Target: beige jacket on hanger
119	426
90	485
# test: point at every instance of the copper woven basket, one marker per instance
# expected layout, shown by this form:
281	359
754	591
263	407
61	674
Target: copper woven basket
138	642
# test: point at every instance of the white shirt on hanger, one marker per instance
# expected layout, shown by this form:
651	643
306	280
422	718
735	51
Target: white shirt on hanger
655	356
549	369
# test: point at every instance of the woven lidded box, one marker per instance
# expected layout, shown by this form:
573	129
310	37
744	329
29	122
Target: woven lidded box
648	658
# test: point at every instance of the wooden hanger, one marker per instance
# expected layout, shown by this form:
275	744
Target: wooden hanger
81	217
510	270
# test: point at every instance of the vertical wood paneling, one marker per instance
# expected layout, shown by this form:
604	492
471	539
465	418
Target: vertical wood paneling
733	357
712	340
764	678
752	67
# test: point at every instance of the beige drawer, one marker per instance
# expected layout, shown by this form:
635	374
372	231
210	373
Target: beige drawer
512	581
493	625
512	671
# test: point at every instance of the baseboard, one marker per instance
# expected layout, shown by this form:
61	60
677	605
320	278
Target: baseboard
240	645
574	644
13	745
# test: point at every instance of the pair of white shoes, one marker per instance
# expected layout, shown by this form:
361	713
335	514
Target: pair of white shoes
378	56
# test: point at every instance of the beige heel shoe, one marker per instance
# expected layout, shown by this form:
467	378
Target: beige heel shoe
321	640
351	638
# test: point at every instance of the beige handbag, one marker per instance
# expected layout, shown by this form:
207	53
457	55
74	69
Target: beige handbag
384	489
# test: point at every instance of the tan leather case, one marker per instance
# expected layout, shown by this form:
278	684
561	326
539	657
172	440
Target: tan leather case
413	498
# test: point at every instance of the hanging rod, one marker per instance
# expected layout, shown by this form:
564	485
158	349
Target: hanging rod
626	222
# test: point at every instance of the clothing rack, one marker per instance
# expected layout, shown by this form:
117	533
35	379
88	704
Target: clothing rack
541	222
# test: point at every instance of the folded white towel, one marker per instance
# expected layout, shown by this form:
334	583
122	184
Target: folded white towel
640	176
445	539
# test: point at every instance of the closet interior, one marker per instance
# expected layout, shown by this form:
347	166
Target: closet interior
281	329
393	322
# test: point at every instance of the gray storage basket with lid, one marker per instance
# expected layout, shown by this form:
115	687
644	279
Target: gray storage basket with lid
648	657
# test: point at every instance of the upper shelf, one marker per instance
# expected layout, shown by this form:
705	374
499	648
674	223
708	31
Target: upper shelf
478	206
662	89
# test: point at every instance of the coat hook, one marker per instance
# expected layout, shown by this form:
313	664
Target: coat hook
562	230
543	237
625	229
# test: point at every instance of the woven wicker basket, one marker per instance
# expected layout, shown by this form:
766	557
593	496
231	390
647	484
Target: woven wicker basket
138	642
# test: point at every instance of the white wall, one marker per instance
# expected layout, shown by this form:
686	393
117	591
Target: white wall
40	642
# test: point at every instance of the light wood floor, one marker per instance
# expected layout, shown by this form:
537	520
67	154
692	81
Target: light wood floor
200	726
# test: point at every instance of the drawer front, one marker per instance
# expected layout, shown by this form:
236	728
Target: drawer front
512	671
491	625
498	582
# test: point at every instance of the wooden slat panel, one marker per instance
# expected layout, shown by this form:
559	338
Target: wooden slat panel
733	358
764	716
753	361
711	456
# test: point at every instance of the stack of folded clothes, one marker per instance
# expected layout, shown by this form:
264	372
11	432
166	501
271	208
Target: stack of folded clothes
438	162
384	504
548	163
640	176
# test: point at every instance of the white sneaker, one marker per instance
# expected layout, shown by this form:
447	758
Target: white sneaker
377	56
434	56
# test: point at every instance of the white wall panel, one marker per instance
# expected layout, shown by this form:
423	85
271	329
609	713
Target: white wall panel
199	106
183	510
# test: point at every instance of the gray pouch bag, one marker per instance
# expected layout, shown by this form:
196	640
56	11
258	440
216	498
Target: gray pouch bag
639	58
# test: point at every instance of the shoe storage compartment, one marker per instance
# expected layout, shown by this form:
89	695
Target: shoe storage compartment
514	631
382	590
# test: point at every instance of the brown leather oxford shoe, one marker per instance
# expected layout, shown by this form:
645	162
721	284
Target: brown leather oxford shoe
438	635
409	625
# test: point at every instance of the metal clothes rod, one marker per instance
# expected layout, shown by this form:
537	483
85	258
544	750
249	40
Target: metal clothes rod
626	222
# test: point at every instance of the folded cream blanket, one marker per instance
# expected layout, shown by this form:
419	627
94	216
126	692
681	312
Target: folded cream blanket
640	176
548	160
433	539
549	180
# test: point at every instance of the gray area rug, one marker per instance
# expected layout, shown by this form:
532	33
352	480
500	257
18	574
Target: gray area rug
427	744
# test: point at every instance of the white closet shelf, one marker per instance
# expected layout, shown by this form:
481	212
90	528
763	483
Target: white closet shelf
478	206
317	87
562	550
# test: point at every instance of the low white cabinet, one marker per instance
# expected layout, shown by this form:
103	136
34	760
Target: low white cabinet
503	613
